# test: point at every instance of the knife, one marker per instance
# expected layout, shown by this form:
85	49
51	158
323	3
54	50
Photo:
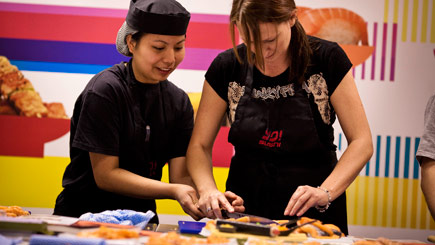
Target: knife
252	218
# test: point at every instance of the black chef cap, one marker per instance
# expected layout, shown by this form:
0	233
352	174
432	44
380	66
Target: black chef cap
163	17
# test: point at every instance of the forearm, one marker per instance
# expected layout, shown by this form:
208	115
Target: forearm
348	167
428	183
199	164
127	183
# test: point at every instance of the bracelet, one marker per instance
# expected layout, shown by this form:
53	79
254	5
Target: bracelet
322	209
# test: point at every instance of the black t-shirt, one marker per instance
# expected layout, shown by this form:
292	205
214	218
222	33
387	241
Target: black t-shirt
145	125
329	64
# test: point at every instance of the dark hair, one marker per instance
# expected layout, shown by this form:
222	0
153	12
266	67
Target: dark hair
248	13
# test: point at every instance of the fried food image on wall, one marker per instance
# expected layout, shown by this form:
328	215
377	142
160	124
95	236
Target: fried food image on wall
18	96
334	24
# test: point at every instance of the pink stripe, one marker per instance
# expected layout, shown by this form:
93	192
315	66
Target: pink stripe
393	52
375	34
199	58
363	70
101	12
384	50
209	18
51	9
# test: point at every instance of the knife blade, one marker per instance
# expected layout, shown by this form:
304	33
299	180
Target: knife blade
252	218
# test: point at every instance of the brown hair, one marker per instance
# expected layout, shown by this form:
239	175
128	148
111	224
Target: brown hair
248	13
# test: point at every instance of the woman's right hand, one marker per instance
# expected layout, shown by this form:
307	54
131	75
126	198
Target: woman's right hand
187	197
211	202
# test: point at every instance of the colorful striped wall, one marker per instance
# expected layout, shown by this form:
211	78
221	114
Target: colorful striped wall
59	45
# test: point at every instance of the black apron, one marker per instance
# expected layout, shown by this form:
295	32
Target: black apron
277	149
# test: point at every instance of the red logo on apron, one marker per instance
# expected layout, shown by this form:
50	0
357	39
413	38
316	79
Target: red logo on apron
271	139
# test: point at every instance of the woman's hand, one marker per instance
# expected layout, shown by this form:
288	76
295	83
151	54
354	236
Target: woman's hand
304	198
236	201
187	197
212	201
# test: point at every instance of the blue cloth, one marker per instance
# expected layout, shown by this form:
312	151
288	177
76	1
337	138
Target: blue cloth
9	241
55	240
120	216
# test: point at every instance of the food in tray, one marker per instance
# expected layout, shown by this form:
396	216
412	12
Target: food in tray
18	96
109	233
334	24
174	238
13	211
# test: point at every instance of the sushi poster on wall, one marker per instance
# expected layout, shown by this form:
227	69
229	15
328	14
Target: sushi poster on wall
50	49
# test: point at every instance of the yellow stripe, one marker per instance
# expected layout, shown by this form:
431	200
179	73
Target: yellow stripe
431	224
386	7
31	182
385	199
415	189
394	208
424	21
404	203
414	21
405	20
365	200
350	199
396	11
375	202
423	213
357	184
432	29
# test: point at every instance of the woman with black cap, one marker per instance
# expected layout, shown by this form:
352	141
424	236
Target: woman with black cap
130	121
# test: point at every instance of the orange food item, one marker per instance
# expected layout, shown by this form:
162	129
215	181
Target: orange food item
20	96
109	233
28	103
319	230
55	110
335	24
14	211
173	238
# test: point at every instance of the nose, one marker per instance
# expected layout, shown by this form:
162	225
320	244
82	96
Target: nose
169	57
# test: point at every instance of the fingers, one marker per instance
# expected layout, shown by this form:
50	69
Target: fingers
236	201
302	199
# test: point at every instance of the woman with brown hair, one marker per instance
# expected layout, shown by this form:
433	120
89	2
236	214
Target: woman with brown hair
281	91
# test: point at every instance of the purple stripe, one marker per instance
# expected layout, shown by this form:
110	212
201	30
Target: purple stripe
353	71
393	52
99	12
384	50
375	34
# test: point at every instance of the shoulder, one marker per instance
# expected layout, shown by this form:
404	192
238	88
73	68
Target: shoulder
108	81
324	50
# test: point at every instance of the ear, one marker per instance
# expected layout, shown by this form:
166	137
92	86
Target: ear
293	18
130	43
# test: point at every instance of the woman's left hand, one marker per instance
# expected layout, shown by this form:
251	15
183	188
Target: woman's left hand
304	198
235	201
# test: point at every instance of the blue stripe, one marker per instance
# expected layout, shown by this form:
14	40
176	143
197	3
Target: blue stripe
57	67
339	141
387	157
416	165
397	160
368	168
407	149
60	52
378	152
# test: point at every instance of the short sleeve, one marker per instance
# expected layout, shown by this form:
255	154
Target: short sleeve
98	125
221	73
337	65
426	147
